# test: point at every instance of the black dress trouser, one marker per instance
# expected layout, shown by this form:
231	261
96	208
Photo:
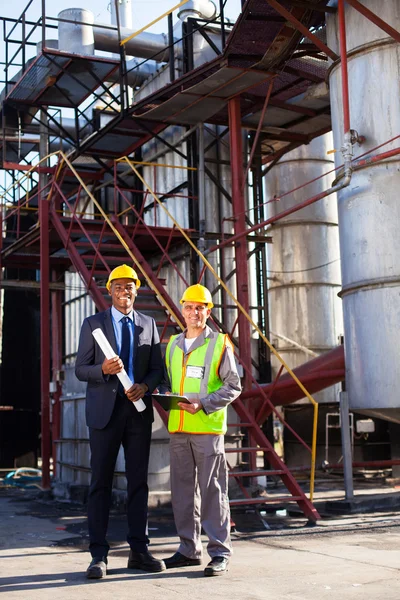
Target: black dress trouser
133	431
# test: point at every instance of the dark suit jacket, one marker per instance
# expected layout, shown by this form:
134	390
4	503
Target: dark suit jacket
102	389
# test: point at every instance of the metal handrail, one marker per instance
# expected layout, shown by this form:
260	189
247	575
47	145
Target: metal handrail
120	238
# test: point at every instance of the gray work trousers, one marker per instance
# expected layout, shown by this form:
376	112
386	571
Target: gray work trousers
199	488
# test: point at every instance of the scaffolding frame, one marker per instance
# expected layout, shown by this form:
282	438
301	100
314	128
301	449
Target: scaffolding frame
239	210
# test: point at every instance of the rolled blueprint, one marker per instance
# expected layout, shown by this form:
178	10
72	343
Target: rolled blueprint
122	376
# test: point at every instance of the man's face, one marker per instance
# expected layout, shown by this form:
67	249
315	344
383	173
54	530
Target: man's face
195	314
123	294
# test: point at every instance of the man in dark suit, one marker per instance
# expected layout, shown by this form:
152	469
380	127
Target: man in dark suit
113	419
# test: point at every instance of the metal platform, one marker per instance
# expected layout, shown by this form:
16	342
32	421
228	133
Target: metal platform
57	78
262	45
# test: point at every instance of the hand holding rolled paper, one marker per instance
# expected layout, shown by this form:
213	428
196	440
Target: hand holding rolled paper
108	352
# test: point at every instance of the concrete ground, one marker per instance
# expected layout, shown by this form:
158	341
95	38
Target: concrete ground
42	556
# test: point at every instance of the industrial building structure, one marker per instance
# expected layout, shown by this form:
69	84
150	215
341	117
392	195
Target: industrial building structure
205	154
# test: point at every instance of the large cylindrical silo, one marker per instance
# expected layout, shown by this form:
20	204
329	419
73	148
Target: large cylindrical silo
369	210
304	265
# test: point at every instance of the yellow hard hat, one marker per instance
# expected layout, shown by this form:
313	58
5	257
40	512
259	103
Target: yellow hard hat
123	272
197	293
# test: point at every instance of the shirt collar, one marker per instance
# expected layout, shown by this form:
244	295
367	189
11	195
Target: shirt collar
117	315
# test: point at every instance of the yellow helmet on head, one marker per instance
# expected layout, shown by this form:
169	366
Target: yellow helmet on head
123	272
197	293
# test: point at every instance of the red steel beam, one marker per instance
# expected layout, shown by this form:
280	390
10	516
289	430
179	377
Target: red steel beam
302	28
375	19
238	208
77	261
288	479
45	340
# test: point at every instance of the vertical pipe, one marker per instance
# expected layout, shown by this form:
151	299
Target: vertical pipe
44	337
43	23
222	19
201	184
171	48
189	42
346	446
56	350
238	209
44	308
23	42
343	66
6	70
122	56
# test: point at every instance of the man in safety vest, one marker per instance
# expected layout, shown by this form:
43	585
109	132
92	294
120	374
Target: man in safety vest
201	366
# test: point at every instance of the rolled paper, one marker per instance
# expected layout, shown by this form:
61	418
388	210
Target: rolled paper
108	352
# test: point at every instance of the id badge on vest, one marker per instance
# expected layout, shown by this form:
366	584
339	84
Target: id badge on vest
195	372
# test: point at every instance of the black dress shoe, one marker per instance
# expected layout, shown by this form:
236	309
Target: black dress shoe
217	566
145	561
179	560
97	568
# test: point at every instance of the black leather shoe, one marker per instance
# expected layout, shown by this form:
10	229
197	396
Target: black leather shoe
217	566
145	561
179	560
97	568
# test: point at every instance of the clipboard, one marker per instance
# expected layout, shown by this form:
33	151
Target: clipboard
165	400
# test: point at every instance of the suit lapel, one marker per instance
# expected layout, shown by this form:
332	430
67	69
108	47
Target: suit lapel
109	330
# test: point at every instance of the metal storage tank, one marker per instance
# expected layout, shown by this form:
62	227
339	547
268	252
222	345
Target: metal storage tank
303	261
74	37
369	211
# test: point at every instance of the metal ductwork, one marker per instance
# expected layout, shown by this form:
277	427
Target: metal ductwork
144	45
203	9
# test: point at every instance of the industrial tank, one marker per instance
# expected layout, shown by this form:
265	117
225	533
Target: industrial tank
303	260
369	211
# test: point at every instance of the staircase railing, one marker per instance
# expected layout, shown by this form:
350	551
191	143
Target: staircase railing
247	316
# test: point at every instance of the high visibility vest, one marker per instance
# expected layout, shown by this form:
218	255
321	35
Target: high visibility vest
207	357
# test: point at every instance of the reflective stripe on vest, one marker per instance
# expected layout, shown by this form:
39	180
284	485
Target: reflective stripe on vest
207	356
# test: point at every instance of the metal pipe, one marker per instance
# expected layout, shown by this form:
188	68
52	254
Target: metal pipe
203	9
44	321
346	446
343	67
238	205
374	464
201	178
124	8
144	45
56	350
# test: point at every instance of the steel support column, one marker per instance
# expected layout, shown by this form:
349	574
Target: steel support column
45	340
239	212
56	353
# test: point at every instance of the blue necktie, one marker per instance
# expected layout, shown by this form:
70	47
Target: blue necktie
125	349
